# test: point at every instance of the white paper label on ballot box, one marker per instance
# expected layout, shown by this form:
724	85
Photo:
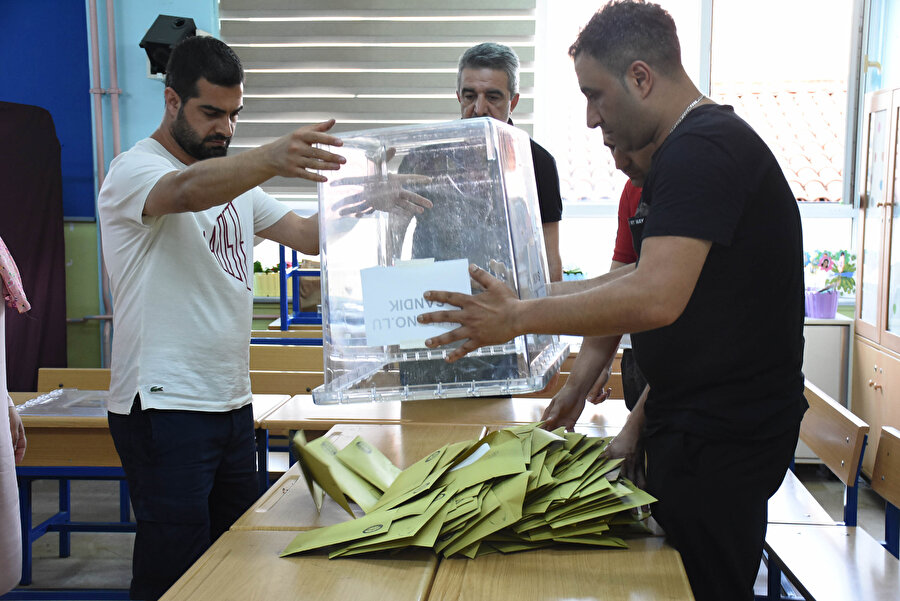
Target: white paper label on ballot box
392	299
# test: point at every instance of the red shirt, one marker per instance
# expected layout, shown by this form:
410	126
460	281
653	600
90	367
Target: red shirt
628	204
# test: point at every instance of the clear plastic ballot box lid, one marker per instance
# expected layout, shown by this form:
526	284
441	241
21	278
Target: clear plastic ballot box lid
378	257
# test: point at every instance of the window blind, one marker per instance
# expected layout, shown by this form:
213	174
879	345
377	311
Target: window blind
368	64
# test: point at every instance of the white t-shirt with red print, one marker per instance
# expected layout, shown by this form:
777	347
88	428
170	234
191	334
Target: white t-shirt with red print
181	288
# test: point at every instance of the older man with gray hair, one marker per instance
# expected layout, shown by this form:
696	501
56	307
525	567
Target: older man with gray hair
487	85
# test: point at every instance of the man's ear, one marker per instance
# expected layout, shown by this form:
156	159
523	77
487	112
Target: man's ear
173	101
513	102
640	77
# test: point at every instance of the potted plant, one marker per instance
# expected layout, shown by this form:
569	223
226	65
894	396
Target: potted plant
265	281
573	273
828	275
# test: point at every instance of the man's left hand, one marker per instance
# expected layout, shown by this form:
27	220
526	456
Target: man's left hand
485	319
17	430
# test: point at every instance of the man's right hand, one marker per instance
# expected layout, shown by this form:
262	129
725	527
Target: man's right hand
295	154
599	392
565	408
629	443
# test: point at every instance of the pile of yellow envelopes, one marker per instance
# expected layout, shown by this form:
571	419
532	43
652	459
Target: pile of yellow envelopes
515	489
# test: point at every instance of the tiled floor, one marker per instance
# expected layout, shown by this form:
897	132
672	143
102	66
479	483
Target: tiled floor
104	560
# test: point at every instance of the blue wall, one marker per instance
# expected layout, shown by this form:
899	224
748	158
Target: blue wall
141	101
44	52
46	62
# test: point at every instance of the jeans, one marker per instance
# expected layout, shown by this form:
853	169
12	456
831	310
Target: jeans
191	475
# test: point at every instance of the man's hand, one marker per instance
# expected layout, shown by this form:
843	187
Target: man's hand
485	319
17	430
599	392
381	193
564	410
629	444
295	155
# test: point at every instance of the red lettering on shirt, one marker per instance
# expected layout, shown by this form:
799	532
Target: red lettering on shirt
226	243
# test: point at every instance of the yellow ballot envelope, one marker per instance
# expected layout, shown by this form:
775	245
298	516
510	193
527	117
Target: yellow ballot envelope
514	489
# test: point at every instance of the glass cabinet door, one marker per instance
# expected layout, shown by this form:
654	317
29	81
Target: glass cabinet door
872	208
891	335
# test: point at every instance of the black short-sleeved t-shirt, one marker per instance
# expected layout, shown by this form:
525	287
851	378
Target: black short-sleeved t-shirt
439	233
730	365
547	179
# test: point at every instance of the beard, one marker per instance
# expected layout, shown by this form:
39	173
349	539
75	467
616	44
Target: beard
193	144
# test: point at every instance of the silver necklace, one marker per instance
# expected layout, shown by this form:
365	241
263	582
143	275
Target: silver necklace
678	121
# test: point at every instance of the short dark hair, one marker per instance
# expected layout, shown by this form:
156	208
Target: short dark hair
202	56
628	30
492	56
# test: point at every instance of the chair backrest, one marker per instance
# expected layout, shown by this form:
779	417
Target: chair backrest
886	482
834	433
261	381
614	383
273	357
285	382
308	332
51	378
838	437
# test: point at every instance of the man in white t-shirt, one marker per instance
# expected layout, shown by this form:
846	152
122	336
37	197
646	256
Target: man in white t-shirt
178	219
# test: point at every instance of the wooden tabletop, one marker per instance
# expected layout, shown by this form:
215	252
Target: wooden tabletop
72	430
300	413
287	505
87	408
245	565
648	570
20	397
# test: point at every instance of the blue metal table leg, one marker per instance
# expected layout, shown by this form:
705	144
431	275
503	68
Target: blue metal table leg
892	529
282	287
295	285
25	509
65	512
774	581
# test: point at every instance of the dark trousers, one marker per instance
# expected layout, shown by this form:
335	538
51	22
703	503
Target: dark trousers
191	475
713	498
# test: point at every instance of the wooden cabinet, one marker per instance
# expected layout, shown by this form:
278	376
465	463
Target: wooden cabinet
878	259
876	392
876	371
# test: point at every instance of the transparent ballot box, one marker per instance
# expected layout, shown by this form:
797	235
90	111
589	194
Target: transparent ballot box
474	182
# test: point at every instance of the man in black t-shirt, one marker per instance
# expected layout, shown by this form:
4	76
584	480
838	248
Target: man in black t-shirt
487	85
715	301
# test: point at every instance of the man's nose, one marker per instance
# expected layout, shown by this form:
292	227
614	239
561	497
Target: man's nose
592	117
481	105
225	126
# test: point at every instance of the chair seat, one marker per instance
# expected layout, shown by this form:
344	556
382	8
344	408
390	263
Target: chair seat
792	503
834	562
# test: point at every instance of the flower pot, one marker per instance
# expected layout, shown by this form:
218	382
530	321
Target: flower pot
822	305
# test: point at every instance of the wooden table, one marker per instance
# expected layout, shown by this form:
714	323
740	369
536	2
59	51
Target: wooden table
300	413
245	565
68	438
647	570
244	562
287	505
64	433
